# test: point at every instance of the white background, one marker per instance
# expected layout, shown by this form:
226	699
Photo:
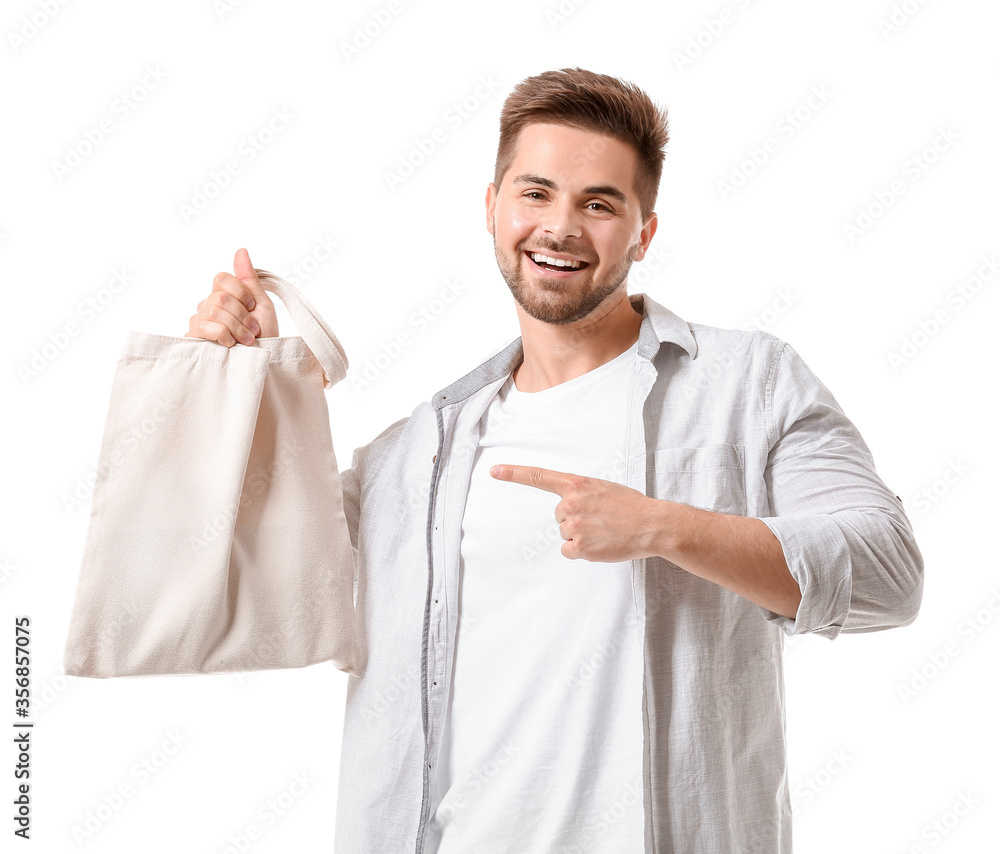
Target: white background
871	766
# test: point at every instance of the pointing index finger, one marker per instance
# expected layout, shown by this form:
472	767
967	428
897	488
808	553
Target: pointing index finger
547	479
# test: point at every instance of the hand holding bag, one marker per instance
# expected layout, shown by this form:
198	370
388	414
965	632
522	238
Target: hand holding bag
217	537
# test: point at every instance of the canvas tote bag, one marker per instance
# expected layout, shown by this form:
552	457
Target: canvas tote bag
217	538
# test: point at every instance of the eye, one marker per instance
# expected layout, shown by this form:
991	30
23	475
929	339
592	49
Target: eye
600	205
538	193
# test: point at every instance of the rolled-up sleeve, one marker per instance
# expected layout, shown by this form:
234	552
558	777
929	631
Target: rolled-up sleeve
844	534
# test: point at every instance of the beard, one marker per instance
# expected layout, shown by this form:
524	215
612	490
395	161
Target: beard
558	301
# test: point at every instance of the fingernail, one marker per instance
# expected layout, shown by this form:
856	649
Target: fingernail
248	338
255	327
252	304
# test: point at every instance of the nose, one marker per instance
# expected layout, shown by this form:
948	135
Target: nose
561	219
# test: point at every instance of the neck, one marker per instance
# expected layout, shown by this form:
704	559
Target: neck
556	354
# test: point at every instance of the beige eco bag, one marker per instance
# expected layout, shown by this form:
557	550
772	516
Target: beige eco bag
217	538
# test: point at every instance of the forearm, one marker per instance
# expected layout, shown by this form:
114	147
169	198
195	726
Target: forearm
737	552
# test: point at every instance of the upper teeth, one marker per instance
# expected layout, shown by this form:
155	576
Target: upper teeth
558	262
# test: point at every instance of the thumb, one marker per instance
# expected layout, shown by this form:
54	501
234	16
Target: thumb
244	271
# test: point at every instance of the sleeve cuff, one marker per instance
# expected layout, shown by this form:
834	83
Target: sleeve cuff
819	559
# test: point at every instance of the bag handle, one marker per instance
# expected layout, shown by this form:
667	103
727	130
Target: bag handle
311	327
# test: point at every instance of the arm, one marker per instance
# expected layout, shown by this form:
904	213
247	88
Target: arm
835	553
736	552
606	521
836	538
175	572
843	532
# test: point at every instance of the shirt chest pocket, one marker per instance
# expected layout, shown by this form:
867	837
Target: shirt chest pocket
710	477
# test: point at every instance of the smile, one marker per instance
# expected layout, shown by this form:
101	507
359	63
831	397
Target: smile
552	266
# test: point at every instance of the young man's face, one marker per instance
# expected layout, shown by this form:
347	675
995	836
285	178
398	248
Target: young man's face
568	194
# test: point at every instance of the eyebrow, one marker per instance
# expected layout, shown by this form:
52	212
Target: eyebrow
605	190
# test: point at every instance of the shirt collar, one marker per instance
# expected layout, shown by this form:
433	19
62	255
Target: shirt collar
659	326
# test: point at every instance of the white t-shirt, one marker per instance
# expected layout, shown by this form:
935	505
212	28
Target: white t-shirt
542	747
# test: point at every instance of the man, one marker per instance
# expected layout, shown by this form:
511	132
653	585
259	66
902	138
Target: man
576	564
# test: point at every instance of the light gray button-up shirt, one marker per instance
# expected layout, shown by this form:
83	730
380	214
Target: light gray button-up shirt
725	420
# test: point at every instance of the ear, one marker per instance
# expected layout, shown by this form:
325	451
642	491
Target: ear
491	205
645	236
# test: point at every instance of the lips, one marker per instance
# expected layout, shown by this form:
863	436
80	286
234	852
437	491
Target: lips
557	272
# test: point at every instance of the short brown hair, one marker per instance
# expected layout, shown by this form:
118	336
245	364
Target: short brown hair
593	102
